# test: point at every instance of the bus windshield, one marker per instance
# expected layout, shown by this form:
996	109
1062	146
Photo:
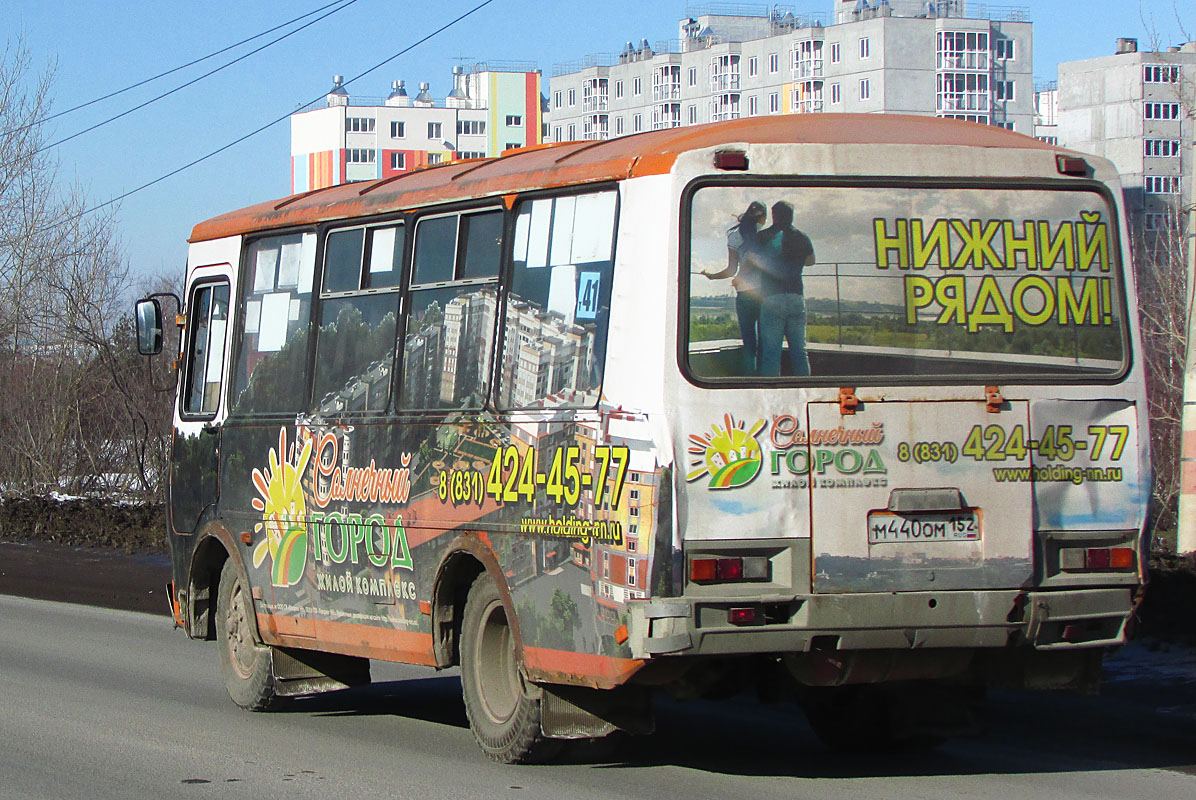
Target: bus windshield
904	282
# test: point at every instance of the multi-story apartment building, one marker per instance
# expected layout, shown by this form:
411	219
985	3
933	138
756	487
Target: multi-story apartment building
493	107
1136	109
730	61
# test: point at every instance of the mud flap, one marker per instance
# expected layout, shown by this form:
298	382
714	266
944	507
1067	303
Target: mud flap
311	672
577	712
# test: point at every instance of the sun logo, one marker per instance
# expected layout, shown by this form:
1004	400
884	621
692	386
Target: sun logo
284	512
730	455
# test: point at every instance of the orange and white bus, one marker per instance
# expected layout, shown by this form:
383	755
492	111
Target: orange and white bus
846	405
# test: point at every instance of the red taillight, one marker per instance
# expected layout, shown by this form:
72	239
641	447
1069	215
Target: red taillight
731	160
1071	165
1097	558
742	616
730	569
704	569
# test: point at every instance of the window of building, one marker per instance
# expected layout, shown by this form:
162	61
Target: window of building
465	155
471	127
865	89
208	316
1162	184
631	577
398	161
556	134
1160	73
693	115
632	542
572	98
1003	49
572	132
836	53
806	57
774	103
272	358
618	90
435	158
435	130
514	120
637	123
450	329
753	66
558	306
693	76
1004	90
962	50
618	126
753	106
836	97
1162	111
962	92
1164	148
865	47
512	146
724	73
806	97
774	63
1160	221
359	307
398	130
360	155
359	124
1048	139
1006	125
606	565
556	99
637	86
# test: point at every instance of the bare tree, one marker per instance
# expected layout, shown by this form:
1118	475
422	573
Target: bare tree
76	410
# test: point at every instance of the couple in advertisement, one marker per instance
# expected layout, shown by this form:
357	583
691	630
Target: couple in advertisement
765	265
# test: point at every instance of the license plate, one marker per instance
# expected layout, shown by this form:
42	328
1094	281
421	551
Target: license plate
886	526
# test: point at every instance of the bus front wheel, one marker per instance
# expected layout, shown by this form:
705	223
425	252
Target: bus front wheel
503	708
246	665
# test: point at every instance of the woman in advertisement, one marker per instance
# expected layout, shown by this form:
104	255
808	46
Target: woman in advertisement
745	278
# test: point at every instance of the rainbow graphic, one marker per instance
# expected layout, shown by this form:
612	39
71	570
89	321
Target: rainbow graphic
284	512
730	455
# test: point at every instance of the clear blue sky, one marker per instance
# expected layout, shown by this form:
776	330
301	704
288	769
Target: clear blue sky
97	47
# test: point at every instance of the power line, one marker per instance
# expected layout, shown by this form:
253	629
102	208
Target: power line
274	122
193	81
171	71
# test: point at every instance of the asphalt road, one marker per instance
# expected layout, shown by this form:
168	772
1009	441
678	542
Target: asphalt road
97	704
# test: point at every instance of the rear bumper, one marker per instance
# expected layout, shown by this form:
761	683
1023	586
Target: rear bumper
1062	619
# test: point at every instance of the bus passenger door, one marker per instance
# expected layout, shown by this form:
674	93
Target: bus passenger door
195	446
921	496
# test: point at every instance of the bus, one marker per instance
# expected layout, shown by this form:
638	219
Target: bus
847	409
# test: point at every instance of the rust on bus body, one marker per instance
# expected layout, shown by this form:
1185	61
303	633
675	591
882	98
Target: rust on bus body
572	163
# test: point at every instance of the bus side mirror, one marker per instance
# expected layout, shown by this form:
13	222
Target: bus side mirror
149	326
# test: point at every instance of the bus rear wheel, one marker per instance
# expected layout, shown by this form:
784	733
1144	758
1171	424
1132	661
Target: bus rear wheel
246	665
503	708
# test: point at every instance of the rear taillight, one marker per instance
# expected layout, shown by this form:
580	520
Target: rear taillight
726	569
1074	559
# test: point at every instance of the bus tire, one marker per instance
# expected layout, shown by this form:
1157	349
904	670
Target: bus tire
503	709
246	665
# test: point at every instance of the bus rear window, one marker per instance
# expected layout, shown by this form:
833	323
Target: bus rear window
833	282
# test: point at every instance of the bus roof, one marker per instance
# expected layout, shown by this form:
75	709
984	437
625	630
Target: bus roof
572	163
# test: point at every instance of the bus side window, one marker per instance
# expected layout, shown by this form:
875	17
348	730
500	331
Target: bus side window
355	343
207	320
558	308
271	375
450	328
